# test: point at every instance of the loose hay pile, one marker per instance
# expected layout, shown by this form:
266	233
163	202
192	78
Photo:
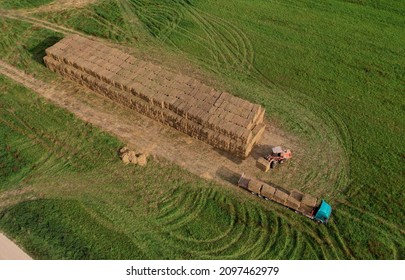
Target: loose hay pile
128	156
217	118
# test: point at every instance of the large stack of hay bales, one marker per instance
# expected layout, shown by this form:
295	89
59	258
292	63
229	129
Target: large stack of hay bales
218	118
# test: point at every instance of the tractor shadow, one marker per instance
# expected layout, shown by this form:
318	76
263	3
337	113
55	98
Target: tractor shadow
261	151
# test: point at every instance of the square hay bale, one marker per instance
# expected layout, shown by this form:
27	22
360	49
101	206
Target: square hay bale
223	141
280	196
305	209
296	194
255	186
292	203
260	118
309	200
263	164
268	191
258	132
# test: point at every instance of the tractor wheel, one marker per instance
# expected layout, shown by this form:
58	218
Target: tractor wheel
273	164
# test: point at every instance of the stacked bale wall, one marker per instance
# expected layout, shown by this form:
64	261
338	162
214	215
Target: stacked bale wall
217	118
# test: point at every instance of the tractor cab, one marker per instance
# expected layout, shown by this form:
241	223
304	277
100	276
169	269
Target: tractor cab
278	155
323	213
279	152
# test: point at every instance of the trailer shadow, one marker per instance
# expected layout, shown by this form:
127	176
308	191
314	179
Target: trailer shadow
228	175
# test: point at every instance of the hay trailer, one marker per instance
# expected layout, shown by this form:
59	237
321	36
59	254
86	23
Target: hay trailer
304	204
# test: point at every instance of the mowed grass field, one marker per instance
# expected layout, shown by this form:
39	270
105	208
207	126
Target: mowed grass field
328	72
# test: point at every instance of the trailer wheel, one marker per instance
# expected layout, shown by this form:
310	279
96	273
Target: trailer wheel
253	193
273	164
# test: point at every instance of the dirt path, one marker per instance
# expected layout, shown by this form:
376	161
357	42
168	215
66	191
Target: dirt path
59	5
147	135
10	251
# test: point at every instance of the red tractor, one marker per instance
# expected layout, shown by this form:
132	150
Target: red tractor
278	155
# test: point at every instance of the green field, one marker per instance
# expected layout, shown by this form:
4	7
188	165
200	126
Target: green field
15	4
331	72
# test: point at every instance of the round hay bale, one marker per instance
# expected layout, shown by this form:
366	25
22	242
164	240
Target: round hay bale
125	158
123	150
132	157
142	161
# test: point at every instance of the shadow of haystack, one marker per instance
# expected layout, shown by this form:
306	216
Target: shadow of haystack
261	151
38	52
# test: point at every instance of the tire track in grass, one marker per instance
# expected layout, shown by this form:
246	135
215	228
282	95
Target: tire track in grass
129	17
175	18
390	237
115	29
340	241
292	245
362	212
333	244
255	245
210	241
226	247
243	44
171	206
232	56
395	235
277	236
221	53
299	248
252	235
273	237
187	213
266	235
210	42
228	46
214	247
281	245
136	9
53	151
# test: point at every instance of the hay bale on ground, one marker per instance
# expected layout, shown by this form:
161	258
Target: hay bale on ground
125	158
263	164
142	160
132	157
